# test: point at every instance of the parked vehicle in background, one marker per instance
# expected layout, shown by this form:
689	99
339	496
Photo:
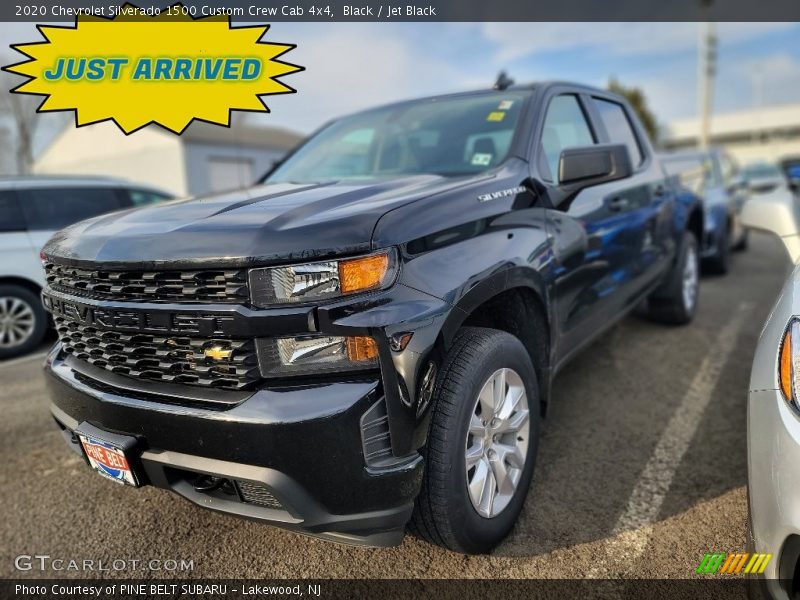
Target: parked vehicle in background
764	177
791	168
377	325
773	413
714	177
31	210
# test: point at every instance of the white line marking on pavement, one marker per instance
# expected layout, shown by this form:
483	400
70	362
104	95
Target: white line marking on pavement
634	528
16	361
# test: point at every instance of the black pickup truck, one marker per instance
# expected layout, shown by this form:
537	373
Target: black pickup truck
366	340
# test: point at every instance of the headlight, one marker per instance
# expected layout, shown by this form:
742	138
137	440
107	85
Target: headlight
315	354
789	363
311	282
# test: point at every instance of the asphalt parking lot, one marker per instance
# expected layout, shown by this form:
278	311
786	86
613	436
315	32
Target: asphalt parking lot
641	469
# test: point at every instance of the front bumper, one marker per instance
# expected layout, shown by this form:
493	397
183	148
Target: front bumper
774	486
302	445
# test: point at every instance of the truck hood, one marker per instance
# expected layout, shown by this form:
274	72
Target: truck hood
261	225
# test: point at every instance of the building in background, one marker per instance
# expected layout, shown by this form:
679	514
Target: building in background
206	158
767	133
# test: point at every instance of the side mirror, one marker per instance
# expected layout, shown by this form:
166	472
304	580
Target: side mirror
579	168
776	213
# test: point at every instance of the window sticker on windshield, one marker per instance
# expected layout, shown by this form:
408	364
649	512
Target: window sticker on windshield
496	116
481	159
505	105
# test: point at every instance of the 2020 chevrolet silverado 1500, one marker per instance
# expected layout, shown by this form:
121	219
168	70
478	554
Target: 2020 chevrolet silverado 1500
368	337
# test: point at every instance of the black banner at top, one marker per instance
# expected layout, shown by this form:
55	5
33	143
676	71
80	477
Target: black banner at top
426	10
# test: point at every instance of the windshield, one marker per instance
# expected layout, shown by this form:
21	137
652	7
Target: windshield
761	170
451	136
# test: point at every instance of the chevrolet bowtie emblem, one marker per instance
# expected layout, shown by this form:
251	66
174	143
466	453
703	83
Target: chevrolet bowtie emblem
217	353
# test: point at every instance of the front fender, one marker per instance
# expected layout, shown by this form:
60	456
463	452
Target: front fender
457	279
387	317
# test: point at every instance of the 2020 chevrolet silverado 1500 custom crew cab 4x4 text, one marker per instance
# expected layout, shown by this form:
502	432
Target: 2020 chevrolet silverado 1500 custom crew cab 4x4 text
368	337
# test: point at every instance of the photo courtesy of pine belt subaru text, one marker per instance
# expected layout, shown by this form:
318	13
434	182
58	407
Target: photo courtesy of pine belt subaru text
365	341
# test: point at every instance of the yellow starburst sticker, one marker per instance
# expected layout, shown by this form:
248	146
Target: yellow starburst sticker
169	69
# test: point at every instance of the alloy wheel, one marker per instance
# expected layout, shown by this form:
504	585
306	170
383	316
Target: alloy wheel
497	442
17	321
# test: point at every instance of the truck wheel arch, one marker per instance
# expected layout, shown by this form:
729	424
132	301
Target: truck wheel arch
22	282
517	306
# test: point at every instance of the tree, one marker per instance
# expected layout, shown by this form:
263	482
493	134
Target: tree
638	101
7	162
20	109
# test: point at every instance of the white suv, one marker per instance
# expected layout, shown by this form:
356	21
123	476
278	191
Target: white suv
31	210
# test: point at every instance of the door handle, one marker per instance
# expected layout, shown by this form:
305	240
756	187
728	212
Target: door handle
618	204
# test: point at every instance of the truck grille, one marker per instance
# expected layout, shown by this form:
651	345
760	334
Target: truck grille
160	358
217	286
258	493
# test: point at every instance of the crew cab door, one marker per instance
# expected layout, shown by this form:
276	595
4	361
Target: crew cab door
611	241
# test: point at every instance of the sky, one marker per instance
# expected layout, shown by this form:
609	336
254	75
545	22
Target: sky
350	66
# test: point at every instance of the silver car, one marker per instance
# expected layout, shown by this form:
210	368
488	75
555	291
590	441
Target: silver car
773	411
32	208
764	177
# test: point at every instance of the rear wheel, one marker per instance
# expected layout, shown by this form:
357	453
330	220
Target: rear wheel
23	321
482	443
675	302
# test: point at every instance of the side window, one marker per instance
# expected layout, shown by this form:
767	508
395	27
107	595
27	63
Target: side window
54	208
565	126
619	127
145	197
11	218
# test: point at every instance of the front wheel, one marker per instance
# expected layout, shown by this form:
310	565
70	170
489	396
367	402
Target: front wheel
482	443
23	322
675	302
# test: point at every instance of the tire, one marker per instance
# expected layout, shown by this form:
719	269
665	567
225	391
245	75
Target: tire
445	512
719	264
23	321
668	304
741	245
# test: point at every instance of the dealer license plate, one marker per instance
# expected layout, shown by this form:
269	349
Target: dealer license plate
108	460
